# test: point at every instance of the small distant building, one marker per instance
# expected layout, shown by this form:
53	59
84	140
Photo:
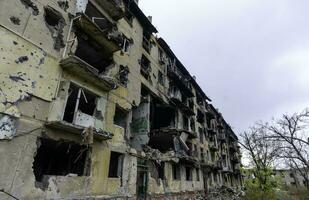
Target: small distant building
292	177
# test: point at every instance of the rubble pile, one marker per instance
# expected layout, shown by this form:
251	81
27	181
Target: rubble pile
224	193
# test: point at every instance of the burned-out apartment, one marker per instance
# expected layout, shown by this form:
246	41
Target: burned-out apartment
94	105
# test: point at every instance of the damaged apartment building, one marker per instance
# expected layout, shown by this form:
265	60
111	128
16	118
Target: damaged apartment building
93	105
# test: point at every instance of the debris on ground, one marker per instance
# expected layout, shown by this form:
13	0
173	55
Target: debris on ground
224	193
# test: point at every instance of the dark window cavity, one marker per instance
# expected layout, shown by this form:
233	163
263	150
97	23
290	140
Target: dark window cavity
61	158
120	117
176	172
115	165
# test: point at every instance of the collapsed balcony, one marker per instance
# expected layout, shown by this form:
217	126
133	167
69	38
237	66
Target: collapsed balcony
179	79
115	8
175	140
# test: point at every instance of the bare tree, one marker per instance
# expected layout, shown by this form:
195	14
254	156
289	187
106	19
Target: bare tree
261	153
292	134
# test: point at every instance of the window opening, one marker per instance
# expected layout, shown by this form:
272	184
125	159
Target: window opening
60	158
79	100
115	165
176	171
120	117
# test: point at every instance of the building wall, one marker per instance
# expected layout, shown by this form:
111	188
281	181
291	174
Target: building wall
34	92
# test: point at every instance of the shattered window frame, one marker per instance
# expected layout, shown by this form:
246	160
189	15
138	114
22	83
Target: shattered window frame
126	45
81	93
161	79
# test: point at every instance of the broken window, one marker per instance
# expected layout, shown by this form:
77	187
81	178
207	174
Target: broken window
91	52
191	104
176	171
162	58
192	124
60	158
80	106
115	165
161	115
199	99
146	41
128	16
126	44
161	79
188	174
202	154
201	133
145	67
123	75
120	117
200	117
197	174
160	169
185	123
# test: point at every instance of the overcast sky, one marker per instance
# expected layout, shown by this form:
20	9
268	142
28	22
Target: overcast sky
251	57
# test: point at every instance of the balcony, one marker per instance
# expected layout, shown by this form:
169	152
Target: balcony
182	81
104	34
80	68
115	8
77	129
147	45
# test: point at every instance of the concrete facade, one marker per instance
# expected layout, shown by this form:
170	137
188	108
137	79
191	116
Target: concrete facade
93	105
